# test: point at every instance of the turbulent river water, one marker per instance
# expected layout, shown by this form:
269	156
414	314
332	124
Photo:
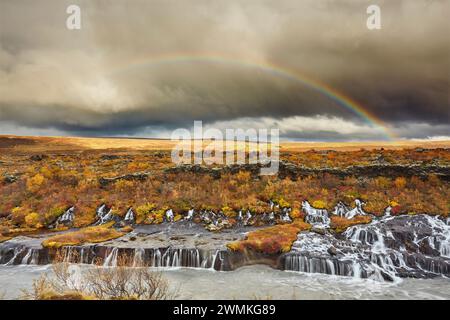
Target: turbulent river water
259	282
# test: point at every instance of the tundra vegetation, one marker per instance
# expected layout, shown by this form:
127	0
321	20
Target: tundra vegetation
42	177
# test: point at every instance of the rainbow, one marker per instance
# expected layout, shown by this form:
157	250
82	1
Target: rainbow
338	97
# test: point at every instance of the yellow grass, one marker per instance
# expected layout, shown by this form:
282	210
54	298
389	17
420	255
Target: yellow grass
93	234
340	224
354	146
78	143
51	295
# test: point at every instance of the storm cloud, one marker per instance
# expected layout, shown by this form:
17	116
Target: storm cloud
139	69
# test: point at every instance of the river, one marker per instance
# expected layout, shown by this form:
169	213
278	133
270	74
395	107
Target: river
259	282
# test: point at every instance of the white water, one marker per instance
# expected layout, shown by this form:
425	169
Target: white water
259	282
362	252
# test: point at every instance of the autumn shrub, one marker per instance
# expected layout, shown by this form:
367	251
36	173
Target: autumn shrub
319	204
18	215
53	214
340	224
229	212
143	211
35	182
400	182
271	240
283	203
33	220
156	216
296	213
85	213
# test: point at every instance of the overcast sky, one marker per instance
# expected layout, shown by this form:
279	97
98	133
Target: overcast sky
54	81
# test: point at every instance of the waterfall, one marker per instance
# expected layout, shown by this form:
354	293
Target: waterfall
17	252
157	258
316	217
67	217
356	269
138	258
12	254
343	211
440	238
82	255
104	216
213	263
169	215
129	216
190	214
386	249
101	211
27	257
303	263
111	259
186	257
340	209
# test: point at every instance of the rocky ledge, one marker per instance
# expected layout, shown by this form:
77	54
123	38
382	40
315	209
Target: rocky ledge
293	171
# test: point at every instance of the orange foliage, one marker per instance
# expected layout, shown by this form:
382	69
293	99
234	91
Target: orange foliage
340	224
271	240
71	178
35	182
86	235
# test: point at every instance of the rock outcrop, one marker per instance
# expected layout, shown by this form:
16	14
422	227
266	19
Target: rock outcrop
293	171
132	176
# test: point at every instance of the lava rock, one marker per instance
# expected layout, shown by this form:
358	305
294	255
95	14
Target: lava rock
132	176
332	251
38	157
109	157
9	178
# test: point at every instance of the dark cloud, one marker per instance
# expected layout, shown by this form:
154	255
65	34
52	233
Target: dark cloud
84	82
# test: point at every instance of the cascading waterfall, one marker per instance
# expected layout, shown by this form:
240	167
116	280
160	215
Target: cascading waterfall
31	257
192	258
17	252
440	238
109	256
111	259
317	217
377	250
138	258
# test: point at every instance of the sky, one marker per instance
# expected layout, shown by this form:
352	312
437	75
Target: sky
144	68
